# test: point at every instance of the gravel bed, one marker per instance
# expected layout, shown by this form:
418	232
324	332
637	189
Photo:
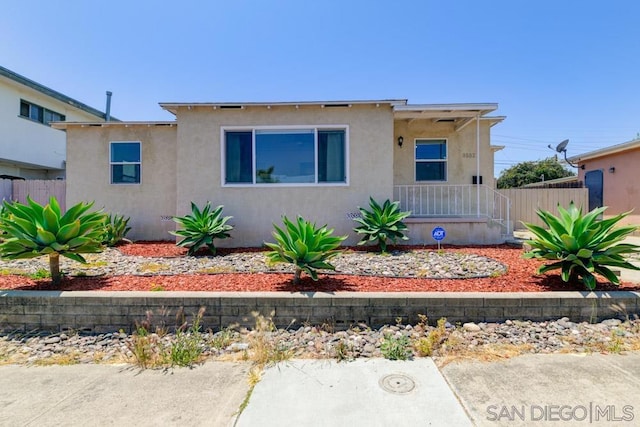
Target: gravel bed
469	340
414	263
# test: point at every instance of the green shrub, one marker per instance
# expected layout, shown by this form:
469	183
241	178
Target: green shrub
304	245
201	228
381	223
581	244
395	347
35	230
116	228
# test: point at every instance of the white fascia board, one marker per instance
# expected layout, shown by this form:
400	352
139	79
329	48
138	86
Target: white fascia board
606	151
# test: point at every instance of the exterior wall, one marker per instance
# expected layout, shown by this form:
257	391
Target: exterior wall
461	151
31	149
621	189
149	204
256	209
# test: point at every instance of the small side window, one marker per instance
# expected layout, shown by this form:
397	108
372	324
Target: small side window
125	162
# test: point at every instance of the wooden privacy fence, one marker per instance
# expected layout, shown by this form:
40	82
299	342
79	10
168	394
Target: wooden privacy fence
39	190
525	202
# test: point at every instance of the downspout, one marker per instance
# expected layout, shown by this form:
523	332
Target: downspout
107	114
478	165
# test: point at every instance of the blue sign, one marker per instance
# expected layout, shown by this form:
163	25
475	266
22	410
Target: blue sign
438	233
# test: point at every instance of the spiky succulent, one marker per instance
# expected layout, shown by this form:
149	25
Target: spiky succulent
381	223
33	230
581	244
201	228
308	247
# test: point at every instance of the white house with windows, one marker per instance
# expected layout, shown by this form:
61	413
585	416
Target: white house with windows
30	148
321	160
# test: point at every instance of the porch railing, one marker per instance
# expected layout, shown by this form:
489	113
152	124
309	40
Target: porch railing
456	201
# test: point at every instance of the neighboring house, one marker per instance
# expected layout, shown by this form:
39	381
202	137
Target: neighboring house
321	160
29	147
611	175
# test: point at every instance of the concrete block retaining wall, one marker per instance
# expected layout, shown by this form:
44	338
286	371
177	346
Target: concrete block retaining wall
111	311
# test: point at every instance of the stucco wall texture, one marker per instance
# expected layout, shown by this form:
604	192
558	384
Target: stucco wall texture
182	163
256	208
621	187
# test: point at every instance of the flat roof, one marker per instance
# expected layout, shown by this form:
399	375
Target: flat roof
11	75
401	109
629	145
172	106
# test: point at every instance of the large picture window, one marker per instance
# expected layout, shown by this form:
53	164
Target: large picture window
285	156
125	162
431	160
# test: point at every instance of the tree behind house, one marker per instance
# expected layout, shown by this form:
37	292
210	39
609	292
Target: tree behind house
532	171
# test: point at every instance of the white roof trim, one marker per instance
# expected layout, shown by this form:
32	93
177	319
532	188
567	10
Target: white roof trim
172	106
606	151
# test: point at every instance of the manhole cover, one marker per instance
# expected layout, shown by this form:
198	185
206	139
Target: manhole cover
397	383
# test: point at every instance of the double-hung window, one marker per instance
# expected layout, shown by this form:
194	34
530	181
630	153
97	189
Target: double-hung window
125	162
431	159
309	155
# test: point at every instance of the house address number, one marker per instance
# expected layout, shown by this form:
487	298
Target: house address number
469	155
166	217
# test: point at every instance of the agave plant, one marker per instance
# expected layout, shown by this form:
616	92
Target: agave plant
116	228
201	228
581	244
381	223
307	247
34	230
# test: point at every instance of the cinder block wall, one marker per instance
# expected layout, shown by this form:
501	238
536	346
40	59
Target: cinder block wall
111	311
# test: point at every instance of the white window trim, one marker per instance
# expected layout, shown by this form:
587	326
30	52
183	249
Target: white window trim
124	163
446	159
253	129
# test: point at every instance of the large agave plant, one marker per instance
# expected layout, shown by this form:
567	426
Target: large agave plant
307	247
201	228
381	223
581	244
34	230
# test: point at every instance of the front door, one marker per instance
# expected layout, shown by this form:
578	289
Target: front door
593	181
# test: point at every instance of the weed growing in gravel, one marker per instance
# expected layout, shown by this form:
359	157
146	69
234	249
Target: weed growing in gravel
151	350
147	348
265	349
187	348
343	351
395	347
156	288
425	346
223	339
41	273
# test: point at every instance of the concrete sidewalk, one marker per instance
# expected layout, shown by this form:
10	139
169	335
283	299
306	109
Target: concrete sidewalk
550	390
108	395
365	392
553	390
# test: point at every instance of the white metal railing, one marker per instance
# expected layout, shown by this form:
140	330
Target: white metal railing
469	200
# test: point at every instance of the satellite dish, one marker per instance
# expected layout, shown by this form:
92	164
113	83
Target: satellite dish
562	147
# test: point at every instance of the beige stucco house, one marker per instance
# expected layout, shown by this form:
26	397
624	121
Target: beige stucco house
611	176
31	148
321	160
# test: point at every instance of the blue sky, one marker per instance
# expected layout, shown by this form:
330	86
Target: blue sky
558	69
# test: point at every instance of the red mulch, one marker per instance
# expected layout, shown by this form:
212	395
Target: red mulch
520	277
